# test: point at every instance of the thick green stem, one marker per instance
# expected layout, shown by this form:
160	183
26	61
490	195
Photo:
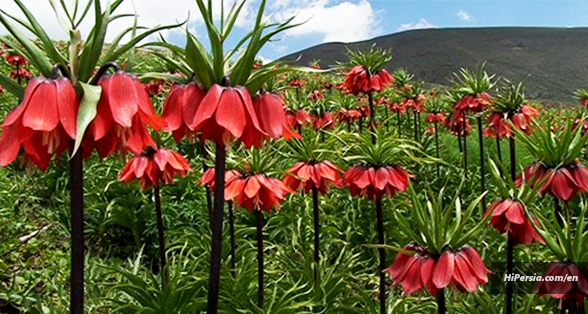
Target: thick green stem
437	150
482	163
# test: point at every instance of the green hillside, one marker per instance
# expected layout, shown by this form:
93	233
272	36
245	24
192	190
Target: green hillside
552	61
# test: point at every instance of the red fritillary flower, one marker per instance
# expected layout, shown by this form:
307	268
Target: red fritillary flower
500	125
572	293
155	167
180	107
413	271
509	216
324	122
455	123
347	115
123	112
303	175
562	183
296	83
299	119
360	81
463	269
430	130
473	103
155	87
373	183
43	124
15	59
208	179
417	104
316	95
226	113
256	192
1	89
21	74
396	107
435	118
272	116
584	102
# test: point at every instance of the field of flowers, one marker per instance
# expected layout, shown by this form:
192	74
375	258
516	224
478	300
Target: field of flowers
223	185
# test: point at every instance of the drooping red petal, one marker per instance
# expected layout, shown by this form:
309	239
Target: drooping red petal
121	94
230	112
41	113
477	264
9	145
444	269
68	105
207	108
252	187
515	213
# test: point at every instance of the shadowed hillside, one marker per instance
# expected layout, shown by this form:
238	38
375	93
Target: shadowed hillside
552	61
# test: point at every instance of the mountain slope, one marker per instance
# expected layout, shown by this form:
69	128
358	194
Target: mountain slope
553	62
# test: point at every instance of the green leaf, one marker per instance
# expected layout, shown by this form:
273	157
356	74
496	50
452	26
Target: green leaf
11	86
87	111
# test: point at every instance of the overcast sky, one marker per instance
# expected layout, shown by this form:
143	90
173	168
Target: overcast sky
333	20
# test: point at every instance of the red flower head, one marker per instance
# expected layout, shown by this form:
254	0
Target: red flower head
473	103
463	269
347	115
43	124
316	95
365	111
155	167
296	83
208	179
435	118
430	131
584	102
562	183
155	87
455	123
180	107
500	126
257	192
413	271
374	183
509	216
572	293
396	107
360	81
16	60
1	89
22	74
124	110
298	119
272	117
225	113
417	105
323	122
303	175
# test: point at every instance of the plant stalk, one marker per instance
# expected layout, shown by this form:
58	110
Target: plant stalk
317	228
382	252
77	233
437	150
482	163
216	223
509	270
260	270
232	235
441	306
160	232
465	149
